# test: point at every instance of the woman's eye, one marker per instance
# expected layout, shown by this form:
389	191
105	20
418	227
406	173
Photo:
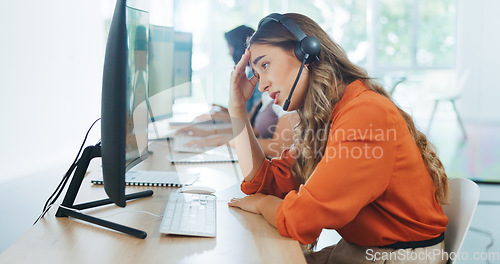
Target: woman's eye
255	73
264	65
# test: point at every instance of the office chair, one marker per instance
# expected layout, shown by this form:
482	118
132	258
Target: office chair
451	97
464	196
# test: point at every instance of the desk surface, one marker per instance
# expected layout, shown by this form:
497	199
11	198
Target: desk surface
242	237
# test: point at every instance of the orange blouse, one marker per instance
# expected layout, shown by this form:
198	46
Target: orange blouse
371	185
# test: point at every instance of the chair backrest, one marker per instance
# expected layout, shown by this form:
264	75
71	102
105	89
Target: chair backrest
464	196
461	82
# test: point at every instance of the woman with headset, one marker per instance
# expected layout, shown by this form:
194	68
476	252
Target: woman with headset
358	163
272	126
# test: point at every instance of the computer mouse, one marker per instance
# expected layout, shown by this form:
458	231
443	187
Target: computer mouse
196	189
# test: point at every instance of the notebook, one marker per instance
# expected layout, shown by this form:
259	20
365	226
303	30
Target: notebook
155	178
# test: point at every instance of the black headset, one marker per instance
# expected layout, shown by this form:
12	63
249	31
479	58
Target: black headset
306	50
307	47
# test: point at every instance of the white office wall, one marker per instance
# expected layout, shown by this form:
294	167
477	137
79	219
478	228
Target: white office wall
478	50
51	58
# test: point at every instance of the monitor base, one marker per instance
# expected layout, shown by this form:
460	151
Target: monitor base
68	208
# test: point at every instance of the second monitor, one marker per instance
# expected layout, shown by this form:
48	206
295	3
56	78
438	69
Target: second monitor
170	54
161	72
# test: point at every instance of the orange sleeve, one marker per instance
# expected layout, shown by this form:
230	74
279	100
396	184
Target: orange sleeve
353	172
273	177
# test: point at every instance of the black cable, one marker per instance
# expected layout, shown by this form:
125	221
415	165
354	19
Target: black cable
287	102
57	192
62	183
71	168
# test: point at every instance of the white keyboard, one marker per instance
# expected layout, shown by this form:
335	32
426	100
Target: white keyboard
189	214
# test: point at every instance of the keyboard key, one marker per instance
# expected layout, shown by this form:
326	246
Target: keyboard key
190	214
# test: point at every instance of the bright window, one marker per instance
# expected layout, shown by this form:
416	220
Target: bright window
384	36
414	34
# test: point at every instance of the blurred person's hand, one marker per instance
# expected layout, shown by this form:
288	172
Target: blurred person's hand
211	141
213	117
194	131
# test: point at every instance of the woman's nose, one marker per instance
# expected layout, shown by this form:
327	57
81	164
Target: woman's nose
263	85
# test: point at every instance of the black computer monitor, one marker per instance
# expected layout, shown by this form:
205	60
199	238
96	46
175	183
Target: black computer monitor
124	111
124	117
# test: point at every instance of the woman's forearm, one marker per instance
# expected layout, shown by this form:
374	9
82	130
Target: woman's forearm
272	148
268	207
250	154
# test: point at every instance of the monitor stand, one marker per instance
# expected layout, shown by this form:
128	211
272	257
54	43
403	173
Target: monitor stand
68	208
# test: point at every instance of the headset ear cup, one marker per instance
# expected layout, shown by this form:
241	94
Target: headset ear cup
309	45
299	53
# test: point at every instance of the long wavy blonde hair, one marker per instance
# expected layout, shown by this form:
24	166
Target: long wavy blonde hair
328	78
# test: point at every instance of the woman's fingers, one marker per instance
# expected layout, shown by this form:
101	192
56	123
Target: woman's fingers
241	88
254	81
239	70
235	202
241	65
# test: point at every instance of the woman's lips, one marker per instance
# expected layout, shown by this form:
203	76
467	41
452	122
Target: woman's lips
275	97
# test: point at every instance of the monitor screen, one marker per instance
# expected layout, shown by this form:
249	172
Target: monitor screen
161	71
137	86
183	49
124	115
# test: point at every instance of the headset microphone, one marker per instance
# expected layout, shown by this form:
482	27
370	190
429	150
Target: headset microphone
287	102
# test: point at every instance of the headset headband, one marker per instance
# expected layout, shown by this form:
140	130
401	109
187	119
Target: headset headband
296	31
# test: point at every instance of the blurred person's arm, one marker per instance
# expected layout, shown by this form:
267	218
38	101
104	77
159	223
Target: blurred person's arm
212	141
196	131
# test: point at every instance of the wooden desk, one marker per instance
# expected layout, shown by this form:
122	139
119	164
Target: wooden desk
242	237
